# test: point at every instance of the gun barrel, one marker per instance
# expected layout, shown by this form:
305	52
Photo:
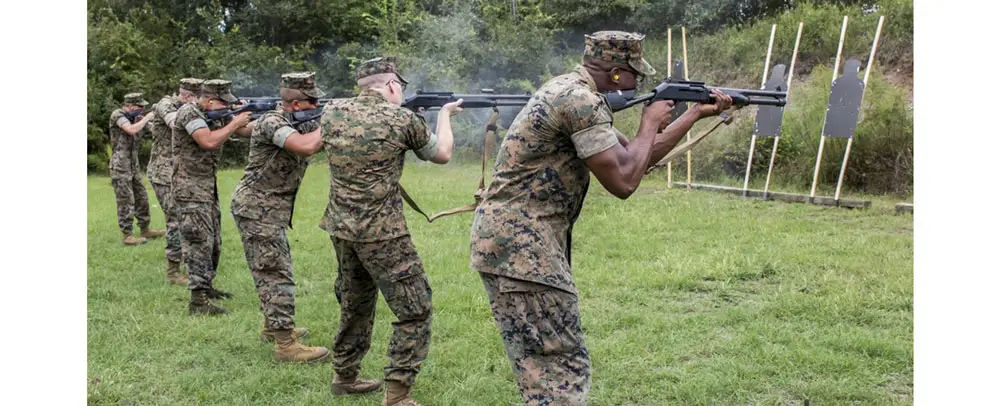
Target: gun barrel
751	92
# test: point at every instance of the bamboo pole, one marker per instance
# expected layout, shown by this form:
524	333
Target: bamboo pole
684	44
822	139
753	137
788	88
670	69
868	70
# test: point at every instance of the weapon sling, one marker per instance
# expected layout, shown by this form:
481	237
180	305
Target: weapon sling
491	130
689	144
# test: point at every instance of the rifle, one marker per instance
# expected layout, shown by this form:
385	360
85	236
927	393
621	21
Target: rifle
257	106
486	99
688	91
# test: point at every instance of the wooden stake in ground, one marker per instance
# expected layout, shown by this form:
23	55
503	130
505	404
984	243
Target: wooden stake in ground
670	66
822	139
788	88
684	45
868	70
763	82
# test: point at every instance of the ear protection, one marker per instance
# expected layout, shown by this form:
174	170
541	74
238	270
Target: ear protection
615	77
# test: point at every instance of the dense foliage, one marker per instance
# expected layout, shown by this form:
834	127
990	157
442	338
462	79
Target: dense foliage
510	46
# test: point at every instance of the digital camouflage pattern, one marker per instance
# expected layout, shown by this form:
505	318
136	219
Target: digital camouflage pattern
132	201
135	99
131	198
366	139
617	46
124	148
378	66
194	168
160	156
201	240
173	248
192	85
270	260
271	179
540	327
195	198
522	228
218	89
304	82
394	268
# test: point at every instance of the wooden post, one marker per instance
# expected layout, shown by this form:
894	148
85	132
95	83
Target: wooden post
868	70
753	137
822	139
684	45
788	88
670	69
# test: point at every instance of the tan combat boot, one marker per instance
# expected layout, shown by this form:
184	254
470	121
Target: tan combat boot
267	336
151	234
351	386
130	240
288	349
200	304
174	274
397	394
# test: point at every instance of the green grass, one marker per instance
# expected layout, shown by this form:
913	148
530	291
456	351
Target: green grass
687	298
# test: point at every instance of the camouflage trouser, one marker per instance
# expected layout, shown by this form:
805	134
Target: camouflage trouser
394	268
173	250
270	262
201	240
132	201
540	327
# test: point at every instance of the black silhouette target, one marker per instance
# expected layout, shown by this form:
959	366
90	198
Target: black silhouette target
845	102
768	122
679	107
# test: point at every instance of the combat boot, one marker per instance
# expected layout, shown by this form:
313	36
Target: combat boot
129	239
174	274
151	234
214	293
351	386
267	336
397	394
288	349
200	304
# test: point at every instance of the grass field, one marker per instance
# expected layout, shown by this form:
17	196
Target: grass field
687	298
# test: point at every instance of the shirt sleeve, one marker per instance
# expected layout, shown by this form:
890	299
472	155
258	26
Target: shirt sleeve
429	150
122	122
195	125
416	134
588	118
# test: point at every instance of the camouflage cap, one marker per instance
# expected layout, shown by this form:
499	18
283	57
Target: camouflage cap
378	65
304	82
218	89
618	46
135	99
191	84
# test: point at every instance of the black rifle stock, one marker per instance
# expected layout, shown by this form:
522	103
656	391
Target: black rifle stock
688	91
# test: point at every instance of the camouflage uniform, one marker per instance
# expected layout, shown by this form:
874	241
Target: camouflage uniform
126	178
263	204
522	229
194	190
365	139
161	161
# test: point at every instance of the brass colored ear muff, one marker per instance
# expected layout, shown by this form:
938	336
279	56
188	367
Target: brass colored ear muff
615	77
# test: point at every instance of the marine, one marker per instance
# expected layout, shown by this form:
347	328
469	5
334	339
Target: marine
365	139
263	204
125	127
197	144
522	230
160	166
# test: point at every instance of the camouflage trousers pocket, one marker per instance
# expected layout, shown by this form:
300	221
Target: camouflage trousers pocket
409	298
265	245
548	321
196	222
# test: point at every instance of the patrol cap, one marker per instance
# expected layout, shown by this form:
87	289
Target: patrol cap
192	85
618	46
377	66
135	99
218	89
304	82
